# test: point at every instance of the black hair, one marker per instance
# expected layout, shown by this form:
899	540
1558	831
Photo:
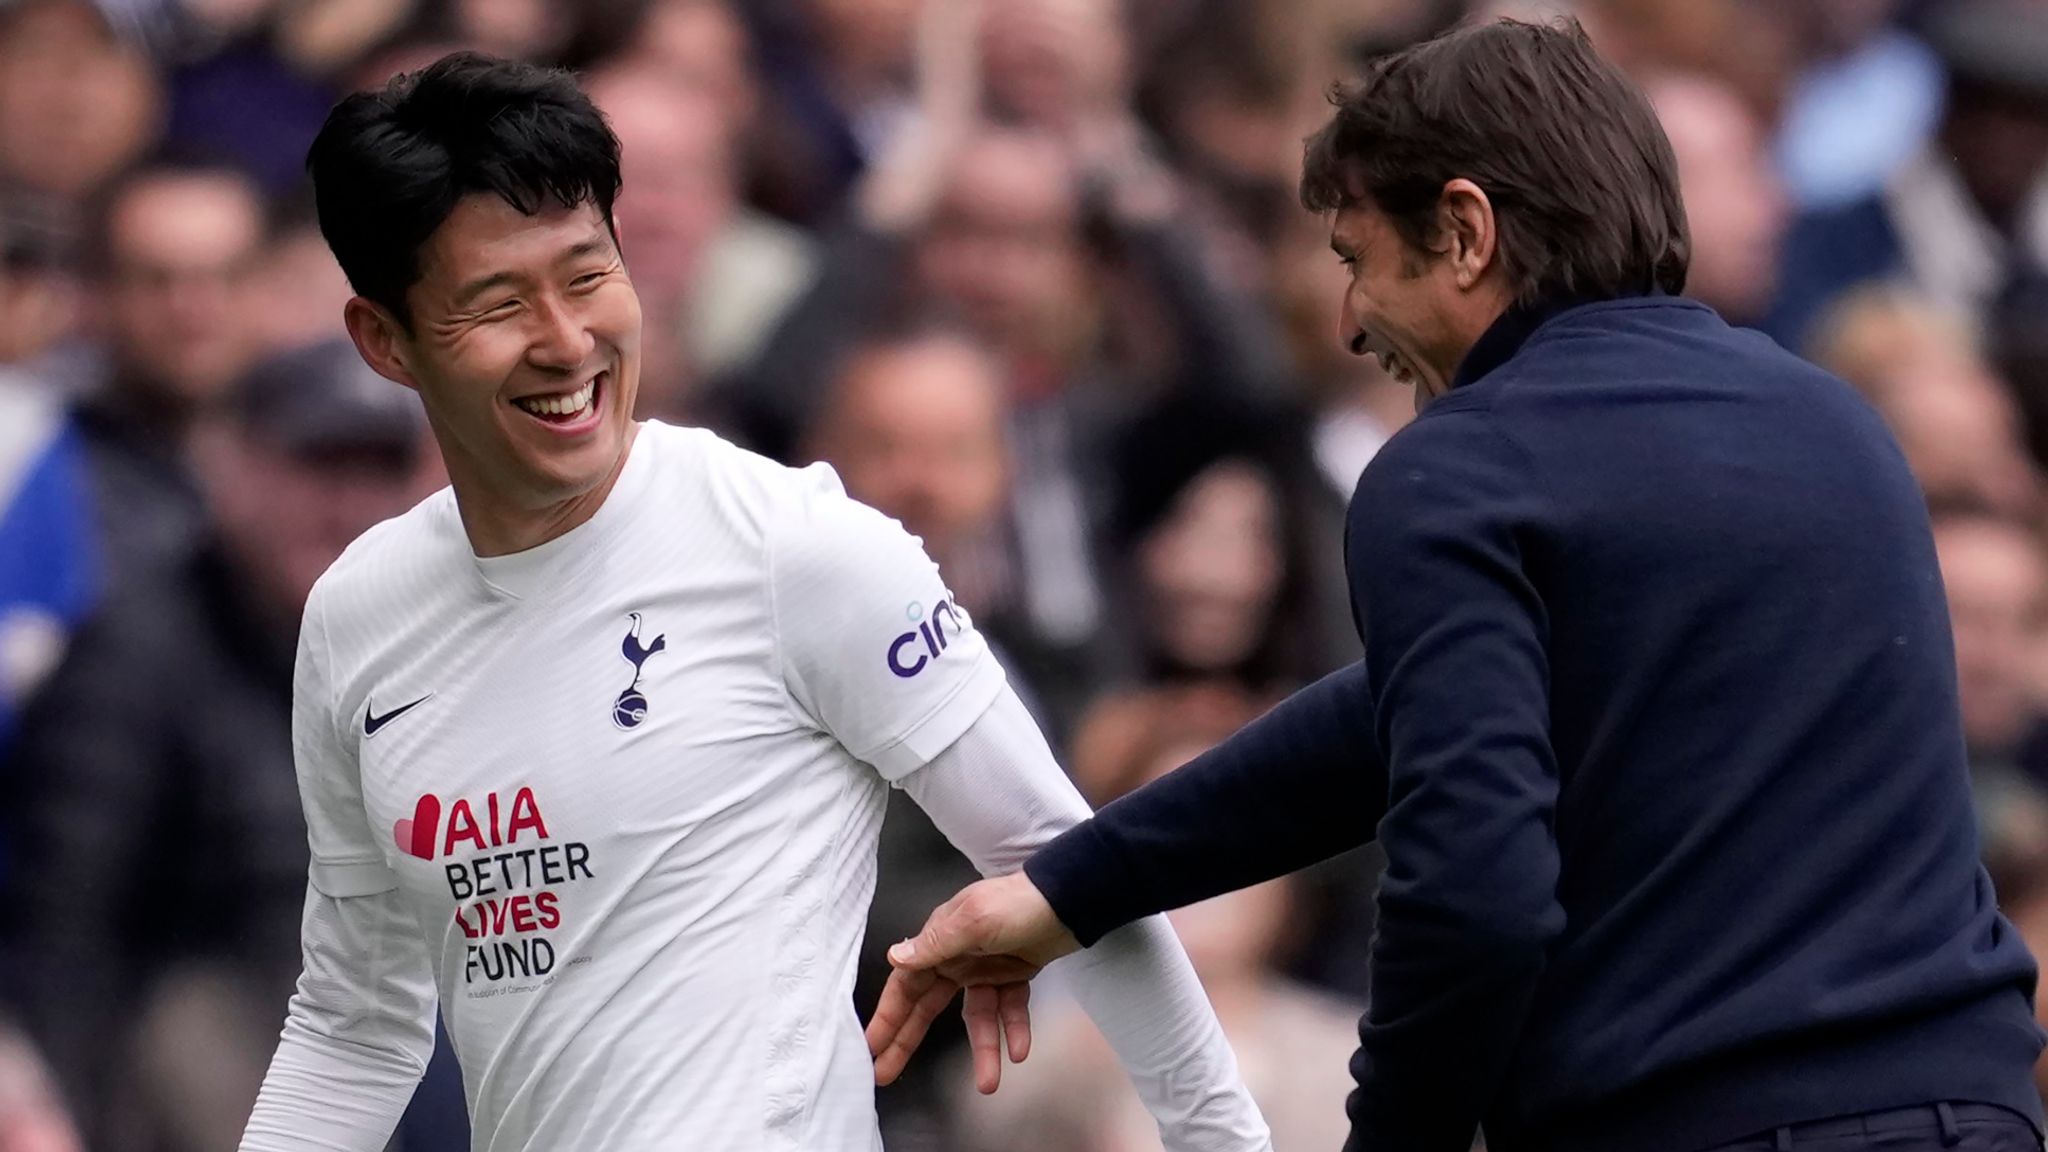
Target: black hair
389	166
1160	456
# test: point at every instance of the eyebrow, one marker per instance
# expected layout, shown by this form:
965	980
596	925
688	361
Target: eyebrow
475	288
595	246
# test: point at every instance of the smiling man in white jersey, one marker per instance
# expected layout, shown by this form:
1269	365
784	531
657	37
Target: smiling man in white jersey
594	744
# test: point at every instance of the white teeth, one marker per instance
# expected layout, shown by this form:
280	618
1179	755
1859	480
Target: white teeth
564	404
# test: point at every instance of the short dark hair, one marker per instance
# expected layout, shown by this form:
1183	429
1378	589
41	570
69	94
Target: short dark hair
1582	179
389	166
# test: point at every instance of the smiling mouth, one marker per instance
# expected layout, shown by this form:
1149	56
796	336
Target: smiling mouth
1397	368
565	407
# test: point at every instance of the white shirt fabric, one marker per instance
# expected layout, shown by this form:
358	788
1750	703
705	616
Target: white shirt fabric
613	802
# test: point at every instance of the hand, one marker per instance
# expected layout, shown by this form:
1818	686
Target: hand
909	179
991	939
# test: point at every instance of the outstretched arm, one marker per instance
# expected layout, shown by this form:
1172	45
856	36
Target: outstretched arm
1297	786
997	793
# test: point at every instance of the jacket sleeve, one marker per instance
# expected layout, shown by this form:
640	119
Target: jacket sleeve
95	751
997	793
1456	660
1296	786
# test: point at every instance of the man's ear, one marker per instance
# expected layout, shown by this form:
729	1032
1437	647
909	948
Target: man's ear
380	339
1469	233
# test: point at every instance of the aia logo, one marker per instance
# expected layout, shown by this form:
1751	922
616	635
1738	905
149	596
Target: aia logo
422	834
905	659
631	707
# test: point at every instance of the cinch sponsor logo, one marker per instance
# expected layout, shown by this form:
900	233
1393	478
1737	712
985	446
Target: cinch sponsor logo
912	651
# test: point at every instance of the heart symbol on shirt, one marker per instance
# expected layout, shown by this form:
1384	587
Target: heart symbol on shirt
415	834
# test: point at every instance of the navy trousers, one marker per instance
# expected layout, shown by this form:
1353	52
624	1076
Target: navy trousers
1931	1128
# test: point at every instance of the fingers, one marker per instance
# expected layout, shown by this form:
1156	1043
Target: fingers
892	1012
910	1002
944	936
985	1037
1013	1005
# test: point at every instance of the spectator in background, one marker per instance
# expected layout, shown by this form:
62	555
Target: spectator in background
1214	551
1735	206
48	559
1967	217
162	864
1997	584
77	102
914	426
1956	422
1291	1043
175	246
535	30
1225	564
1996	577
302	289
840	82
991	225
913	423
235	93
1866	101
713	274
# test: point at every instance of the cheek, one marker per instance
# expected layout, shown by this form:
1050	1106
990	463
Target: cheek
616	317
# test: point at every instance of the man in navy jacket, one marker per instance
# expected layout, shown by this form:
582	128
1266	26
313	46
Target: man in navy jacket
1657	719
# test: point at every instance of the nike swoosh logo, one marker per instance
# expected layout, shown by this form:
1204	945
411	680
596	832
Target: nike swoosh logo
372	722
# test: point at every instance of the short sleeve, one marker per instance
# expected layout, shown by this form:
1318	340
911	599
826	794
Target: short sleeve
347	860
874	649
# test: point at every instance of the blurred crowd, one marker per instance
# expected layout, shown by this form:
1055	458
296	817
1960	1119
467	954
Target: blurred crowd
1032	276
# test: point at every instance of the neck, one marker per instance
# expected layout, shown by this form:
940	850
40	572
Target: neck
497	530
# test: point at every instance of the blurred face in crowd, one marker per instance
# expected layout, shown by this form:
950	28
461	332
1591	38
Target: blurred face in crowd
1049	62
1997	584
287	516
76	105
916	430
863	40
1004	246
1960	431
676	160
303	290
517	29
525	348
703	43
1212	570
1733	200
181	248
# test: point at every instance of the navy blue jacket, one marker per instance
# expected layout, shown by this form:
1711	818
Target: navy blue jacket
1658	723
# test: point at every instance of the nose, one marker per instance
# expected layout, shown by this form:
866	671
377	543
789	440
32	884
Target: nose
1350	333
561	341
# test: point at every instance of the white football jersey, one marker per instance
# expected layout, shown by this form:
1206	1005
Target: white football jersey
630	783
